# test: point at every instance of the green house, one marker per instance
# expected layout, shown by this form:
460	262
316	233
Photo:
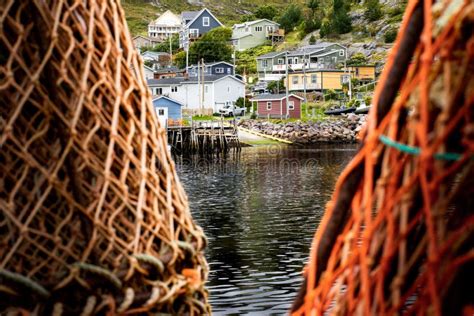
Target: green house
255	33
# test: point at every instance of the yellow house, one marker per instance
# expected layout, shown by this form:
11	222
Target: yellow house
363	73
317	80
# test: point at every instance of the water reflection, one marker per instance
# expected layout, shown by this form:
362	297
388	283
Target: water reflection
259	210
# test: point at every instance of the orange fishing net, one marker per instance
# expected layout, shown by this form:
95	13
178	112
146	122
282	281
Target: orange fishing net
398	235
93	219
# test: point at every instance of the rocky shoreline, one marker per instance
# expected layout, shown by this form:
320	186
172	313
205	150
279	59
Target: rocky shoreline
340	129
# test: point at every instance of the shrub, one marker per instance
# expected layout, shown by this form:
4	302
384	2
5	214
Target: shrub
373	10
390	35
312	40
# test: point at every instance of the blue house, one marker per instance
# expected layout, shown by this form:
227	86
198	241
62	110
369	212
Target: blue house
196	24
167	110
217	68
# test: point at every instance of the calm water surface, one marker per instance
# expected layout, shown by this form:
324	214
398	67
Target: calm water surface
259	211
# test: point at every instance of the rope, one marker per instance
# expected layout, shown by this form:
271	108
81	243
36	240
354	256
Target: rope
416	151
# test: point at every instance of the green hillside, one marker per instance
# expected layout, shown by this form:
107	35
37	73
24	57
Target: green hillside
140	12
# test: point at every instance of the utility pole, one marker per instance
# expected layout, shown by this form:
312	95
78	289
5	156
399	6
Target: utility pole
304	82
199	85
203	80
287	82
233	55
186	47
171	51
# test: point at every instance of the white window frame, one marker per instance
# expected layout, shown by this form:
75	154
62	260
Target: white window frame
281	61
258	29
206	21
296	60
158	91
295	80
194	33
228	89
174	89
219	70
206	89
314	79
264	63
341	52
161	112
269	105
291	105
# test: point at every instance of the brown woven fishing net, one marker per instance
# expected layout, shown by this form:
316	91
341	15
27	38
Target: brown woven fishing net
93	219
398	235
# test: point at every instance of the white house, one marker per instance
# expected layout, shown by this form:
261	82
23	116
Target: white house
215	92
165	26
149	72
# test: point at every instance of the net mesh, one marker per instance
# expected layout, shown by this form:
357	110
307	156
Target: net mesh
93	218
398	235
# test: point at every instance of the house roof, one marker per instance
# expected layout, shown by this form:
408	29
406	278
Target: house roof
167	98
167	19
189	15
212	64
312	49
210	78
253	22
169	70
199	14
273	97
154	54
165	81
271	55
191	80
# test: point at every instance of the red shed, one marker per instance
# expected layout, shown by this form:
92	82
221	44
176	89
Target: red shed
274	105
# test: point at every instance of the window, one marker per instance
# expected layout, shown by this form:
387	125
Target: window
291	105
194	33
219	70
295	79
290	61
206	89
258	29
205	21
174	89
314	79
158	91
296	60
269	106
265	63
341	52
161	112
281	61
229	71
228	89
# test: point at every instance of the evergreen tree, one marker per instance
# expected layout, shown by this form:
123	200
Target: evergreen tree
373	10
291	17
312	40
341	20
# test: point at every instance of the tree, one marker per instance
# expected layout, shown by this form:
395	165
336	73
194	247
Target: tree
357	59
276	86
373	10
165	46
180	59
337	20
291	17
341	20
212	46
312	40
266	12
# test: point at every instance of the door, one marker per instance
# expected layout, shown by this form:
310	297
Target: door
162	114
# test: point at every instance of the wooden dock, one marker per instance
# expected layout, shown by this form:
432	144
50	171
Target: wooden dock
203	137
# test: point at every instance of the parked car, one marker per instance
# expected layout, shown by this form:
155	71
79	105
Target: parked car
232	110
